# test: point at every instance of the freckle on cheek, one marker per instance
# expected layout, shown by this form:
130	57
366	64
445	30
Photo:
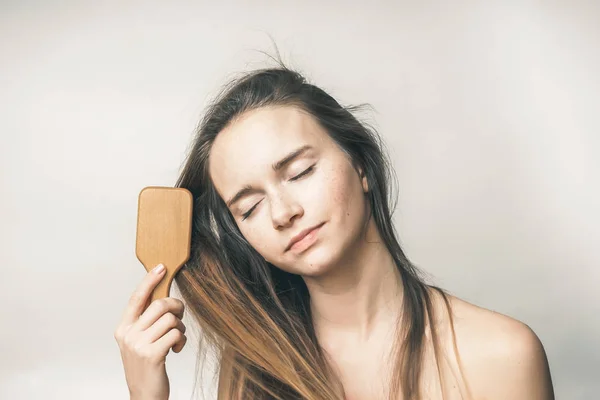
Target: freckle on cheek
339	194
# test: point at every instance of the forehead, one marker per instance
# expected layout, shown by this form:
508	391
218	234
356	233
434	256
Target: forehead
245	149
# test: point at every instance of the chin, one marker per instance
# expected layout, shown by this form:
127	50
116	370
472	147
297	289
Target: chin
316	261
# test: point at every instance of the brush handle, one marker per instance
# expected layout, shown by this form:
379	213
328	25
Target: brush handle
164	286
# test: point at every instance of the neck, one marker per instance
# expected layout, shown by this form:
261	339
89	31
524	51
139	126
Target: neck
360	295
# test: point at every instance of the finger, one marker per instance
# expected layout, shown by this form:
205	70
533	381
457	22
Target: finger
169	340
179	345
164	324
139	298
157	309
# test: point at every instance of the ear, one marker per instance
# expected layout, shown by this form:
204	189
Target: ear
363	180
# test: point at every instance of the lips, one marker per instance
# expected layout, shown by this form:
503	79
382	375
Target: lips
301	235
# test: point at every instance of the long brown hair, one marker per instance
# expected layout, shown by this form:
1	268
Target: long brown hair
255	316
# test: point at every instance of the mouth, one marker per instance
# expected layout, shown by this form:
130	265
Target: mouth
304	239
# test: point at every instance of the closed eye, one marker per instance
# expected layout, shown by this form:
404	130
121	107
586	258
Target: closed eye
247	213
300	175
306	171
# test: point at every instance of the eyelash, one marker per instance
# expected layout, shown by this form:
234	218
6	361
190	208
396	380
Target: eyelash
295	178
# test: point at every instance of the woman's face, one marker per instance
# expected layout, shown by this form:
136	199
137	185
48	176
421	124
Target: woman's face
316	187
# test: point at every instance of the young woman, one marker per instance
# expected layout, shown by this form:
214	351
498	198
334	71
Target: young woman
296	276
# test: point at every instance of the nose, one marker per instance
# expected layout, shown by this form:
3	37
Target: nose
284	209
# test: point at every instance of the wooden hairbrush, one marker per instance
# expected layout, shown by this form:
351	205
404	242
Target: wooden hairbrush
164	232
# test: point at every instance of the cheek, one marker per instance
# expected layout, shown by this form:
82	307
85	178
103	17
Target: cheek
260	238
341	201
251	235
342	194
339	196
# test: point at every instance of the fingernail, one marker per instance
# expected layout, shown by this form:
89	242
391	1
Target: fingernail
159	268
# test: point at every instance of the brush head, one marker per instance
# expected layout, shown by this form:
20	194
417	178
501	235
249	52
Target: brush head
164	231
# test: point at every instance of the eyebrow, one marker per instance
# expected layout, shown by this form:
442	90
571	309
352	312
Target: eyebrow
279	165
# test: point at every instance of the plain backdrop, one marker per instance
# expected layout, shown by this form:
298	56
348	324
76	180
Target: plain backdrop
490	110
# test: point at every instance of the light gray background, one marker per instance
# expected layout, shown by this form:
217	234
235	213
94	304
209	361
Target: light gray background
490	110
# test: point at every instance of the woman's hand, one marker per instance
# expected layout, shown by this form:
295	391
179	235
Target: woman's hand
145	337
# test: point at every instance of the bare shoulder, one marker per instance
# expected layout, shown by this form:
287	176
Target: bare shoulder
501	357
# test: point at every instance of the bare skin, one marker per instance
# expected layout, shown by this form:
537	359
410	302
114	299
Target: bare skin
499	358
354	285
